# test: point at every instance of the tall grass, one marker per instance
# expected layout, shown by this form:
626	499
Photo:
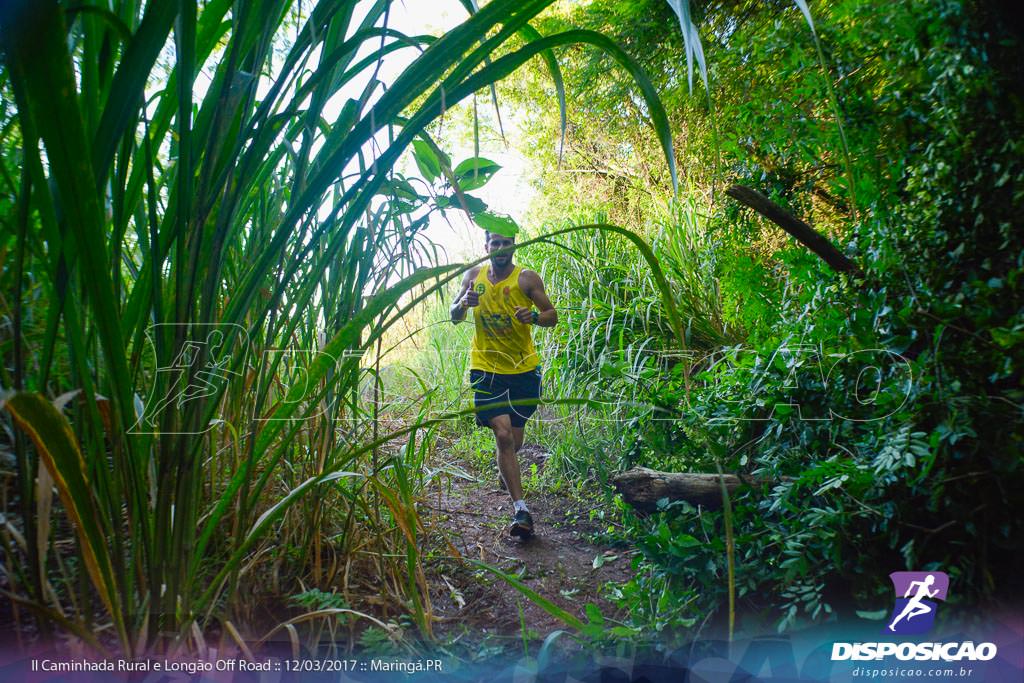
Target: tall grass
618	336
209	267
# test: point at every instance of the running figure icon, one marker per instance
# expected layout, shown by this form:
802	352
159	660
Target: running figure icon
915	607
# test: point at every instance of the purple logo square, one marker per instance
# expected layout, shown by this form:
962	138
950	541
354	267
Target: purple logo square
916	593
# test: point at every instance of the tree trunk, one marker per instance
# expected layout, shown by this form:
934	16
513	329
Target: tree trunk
804	233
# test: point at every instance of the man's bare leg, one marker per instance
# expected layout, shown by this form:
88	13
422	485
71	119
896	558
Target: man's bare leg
508	465
517	435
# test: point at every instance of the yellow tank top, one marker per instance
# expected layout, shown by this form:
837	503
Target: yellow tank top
501	343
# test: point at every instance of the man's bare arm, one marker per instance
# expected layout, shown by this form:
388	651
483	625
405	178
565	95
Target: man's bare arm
461	305
533	287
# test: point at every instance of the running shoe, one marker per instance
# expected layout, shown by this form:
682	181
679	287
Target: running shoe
522	525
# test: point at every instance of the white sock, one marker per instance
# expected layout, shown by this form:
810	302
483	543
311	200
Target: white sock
520	506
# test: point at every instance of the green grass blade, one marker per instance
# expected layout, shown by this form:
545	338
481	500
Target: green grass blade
37	55
58	451
130	81
535	597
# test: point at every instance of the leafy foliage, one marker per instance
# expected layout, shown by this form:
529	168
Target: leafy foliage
882	416
205	242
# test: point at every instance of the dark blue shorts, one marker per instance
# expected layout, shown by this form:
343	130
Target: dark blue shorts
494	393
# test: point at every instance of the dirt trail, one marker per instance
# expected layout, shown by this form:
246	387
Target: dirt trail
558	562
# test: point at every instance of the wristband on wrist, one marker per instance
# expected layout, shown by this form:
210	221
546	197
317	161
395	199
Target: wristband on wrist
534	317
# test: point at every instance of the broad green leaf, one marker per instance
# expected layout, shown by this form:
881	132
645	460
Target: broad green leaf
1007	337
492	222
426	160
401	188
474	172
478	164
474	204
686	541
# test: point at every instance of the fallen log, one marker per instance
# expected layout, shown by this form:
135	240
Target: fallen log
642	487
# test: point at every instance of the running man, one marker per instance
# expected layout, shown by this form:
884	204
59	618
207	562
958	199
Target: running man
914	607
504	364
